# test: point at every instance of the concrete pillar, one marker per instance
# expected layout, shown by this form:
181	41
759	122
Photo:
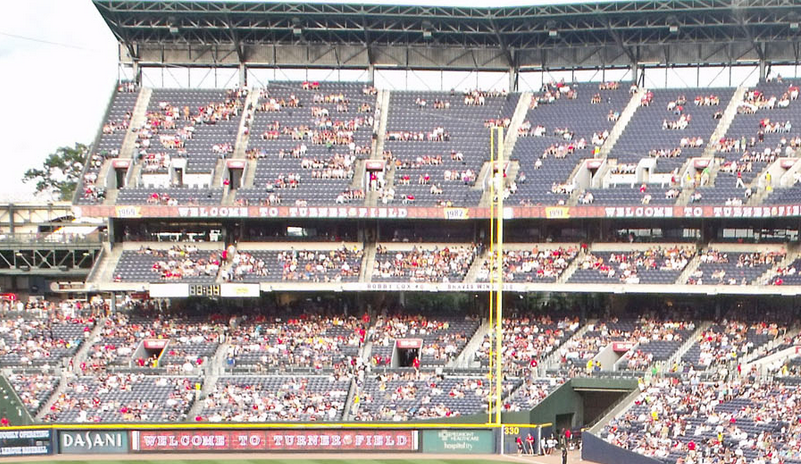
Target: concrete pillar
137	72
371	73
243	75
513	79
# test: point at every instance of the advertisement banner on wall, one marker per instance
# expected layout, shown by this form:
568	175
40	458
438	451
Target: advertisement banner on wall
273	440
93	441
169	290
240	290
25	442
459	441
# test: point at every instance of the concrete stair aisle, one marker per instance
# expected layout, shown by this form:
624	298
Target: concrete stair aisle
224	269
103	271
45	408
209	382
466	358
510	139
250	174
128	148
217	363
788	179
243	136
684	197
723	125
379	128
134	176
138	118
552	358
211	373
102	176
382	104
675	358
757	198
691	267
476	266
219	172
713	172
618	409
514	168
622	122
765	278
571	268
513	131
711	147
755	355
353	389
368	261
111	196
573	199
359	170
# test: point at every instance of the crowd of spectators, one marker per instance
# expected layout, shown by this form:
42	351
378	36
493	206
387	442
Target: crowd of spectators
626	265
170	126
721	273
123	398
403	396
443	337
532	265
755	100
577	353
729	341
737	421
527	341
437	264
299	399
49	339
531	393
33	389
293	265
308	340
181	261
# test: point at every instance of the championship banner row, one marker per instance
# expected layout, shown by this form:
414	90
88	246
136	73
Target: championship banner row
122	441
238	290
353	212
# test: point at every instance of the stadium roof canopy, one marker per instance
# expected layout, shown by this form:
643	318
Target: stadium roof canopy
349	35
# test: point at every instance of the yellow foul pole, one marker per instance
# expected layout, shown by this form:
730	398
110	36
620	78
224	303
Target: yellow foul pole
492	264
498	219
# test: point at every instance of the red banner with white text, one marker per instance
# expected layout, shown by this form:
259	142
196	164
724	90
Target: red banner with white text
273	440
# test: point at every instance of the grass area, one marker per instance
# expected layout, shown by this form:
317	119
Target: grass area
272	461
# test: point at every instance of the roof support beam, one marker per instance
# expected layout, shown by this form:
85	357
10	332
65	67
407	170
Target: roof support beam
503	43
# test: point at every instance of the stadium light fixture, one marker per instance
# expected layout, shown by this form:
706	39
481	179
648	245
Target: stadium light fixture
297	28
552	30
673	24
427	30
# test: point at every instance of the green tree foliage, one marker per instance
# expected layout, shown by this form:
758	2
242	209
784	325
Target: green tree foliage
60	172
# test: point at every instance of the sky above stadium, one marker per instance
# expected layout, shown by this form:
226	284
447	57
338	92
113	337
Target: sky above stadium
59	66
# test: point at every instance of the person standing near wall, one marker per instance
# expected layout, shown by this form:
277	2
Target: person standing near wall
530	443
564	455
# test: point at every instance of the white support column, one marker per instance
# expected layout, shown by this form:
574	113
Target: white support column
243	75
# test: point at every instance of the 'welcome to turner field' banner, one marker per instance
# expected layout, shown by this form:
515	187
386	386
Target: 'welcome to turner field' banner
273	440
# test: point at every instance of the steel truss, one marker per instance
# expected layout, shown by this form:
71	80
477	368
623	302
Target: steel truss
421	37
48	261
